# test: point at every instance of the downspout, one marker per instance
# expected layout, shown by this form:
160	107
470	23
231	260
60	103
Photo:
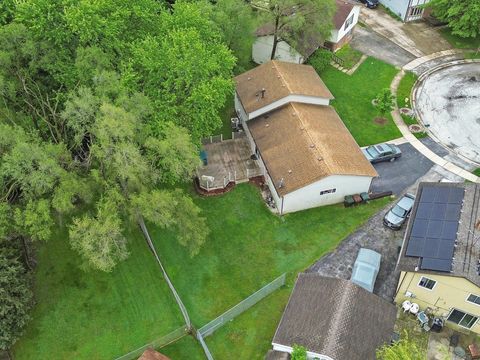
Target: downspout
400	285
281	209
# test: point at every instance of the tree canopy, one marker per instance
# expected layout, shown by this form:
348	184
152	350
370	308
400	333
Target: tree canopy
294	21
463	16
102	107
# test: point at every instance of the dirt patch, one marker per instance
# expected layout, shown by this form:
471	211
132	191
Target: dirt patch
380	121
414	128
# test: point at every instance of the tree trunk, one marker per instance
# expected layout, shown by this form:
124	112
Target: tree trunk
275	38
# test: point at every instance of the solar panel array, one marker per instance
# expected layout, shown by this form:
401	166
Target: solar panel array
435	226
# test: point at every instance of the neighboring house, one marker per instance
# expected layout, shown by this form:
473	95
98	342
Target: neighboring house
308	156
440	255
407	10
344	21
333	319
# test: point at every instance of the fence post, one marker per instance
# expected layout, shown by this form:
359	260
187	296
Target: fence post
221	137
233	135
235	175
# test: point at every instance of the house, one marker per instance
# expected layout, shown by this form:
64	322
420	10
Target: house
439	261
407	10
307	155
329	317
345	19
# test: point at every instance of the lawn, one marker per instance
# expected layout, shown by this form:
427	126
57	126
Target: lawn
459	42
476	172
94	315
349	55
353	97
403	99
247	248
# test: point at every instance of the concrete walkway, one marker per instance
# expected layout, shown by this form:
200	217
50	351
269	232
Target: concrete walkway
447	165
421	60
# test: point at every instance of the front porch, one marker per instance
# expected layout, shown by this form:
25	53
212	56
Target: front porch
227	161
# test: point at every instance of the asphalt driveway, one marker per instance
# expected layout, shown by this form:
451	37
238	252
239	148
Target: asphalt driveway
372	44
403	172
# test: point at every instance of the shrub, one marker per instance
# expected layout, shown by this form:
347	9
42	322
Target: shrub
299	353
320	59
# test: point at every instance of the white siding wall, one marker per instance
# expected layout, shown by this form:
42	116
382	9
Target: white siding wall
399	7
239	109
338	35
309	196
262	49
290	98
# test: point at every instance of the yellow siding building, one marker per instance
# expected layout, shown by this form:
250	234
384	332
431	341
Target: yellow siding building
439	262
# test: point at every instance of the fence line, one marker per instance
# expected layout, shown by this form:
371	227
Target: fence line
206	350
245	304
156	344
183	309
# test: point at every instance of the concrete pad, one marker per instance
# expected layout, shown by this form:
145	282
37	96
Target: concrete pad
418	38
370	43
448	102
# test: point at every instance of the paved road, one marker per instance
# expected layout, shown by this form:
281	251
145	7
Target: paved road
398	175
372	44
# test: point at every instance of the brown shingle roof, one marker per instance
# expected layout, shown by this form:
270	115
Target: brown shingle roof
303	143
279	79
343	10
336	318
151	354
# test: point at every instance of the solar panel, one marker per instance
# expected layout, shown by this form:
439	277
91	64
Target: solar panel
434	229
436	264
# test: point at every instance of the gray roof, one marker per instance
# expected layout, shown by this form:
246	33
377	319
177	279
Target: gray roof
277	355
467	250
336	318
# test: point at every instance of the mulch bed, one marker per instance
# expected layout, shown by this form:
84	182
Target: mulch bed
380	121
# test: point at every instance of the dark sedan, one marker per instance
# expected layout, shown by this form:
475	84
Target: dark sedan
371	4
382	152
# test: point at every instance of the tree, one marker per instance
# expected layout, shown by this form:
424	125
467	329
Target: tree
15	297
237	24
463	16
320	59
385	101
293	20
405	349
298	353
185	69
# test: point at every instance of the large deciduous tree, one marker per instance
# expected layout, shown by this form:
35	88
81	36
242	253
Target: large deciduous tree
294	20
463	16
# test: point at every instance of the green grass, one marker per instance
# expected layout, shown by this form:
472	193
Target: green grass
472	55
476	172
459	42
247	248
185	348
349	56
353	97
227	113
94	315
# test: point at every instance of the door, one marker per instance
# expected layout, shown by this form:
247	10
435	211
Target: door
462	319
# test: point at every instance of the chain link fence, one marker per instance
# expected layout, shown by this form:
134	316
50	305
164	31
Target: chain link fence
156	344
228	315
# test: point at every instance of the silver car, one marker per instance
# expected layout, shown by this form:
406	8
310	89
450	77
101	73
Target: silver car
382	152
397	215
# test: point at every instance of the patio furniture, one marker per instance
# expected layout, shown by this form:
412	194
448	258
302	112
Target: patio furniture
474	351
437	324
454	340
460	352
422	317
414	309
406	305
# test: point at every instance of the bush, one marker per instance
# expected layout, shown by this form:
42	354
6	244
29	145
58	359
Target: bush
320	59
299	353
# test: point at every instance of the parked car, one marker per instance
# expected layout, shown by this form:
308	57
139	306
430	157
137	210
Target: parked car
397	215
371	4
365	269
382	152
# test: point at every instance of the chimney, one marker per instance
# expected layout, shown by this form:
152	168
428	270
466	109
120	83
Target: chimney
263	92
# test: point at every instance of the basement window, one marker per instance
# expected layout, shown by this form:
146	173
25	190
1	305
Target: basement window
329	191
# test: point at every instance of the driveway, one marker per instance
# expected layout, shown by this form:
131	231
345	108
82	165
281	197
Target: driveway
398	175
418	38
370	43
373	235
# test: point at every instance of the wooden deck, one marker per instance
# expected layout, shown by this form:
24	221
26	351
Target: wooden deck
228	161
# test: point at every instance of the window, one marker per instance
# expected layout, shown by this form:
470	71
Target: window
474	299
463	319
349	22
329	191
427	283
416	11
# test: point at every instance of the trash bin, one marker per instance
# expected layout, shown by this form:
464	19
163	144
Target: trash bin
348	201
365	197
204	157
